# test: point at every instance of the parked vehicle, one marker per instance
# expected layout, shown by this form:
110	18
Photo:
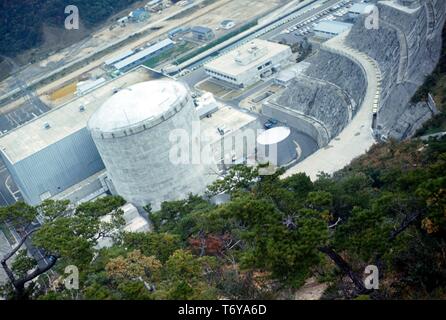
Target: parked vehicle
270	123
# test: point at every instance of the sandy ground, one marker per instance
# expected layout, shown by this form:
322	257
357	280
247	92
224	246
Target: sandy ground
233	11
311	290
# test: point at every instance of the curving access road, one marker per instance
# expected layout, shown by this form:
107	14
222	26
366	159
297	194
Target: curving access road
357	136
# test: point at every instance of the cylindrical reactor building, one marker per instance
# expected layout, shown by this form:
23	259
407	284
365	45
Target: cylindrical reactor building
275	146
133	133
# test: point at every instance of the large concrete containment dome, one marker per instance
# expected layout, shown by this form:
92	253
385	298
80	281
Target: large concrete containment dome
276	147
132	131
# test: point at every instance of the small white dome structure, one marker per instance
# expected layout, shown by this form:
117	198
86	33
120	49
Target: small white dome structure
276	146
131	131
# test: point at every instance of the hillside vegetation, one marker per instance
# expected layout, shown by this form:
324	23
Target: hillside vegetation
388	208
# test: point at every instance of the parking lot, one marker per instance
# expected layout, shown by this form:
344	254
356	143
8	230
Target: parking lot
305	28
19	116
9	192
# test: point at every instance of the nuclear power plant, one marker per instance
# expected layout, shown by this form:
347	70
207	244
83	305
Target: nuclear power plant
324	97
117	139
131	131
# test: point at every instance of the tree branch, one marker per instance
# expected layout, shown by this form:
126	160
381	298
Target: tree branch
345	268
14	250
404	225
38	271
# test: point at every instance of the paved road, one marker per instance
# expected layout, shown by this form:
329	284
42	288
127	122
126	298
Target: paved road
356	138
6	197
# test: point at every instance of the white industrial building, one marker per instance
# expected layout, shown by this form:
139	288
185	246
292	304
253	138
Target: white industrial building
119	57
143	55
285	76
328	29
249	63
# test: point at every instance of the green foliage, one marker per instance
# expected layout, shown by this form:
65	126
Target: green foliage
239	178
101	206
288	252
386	208
23	263
160	245
73	236
174	215
19	215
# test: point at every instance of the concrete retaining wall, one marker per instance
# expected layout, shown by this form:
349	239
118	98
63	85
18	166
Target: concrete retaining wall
299	121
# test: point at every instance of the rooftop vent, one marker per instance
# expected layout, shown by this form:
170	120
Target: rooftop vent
82	108
46	125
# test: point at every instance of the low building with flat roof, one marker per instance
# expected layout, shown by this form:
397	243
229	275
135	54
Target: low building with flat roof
231	134
329	29
249	63
143	55
119	57
202	33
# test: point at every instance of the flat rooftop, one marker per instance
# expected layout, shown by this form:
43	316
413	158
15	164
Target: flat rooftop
227	63
335	27
143	53
119	57
66	119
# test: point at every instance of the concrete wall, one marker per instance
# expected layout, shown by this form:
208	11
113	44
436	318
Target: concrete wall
299	121
57	167
340	71
321	102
